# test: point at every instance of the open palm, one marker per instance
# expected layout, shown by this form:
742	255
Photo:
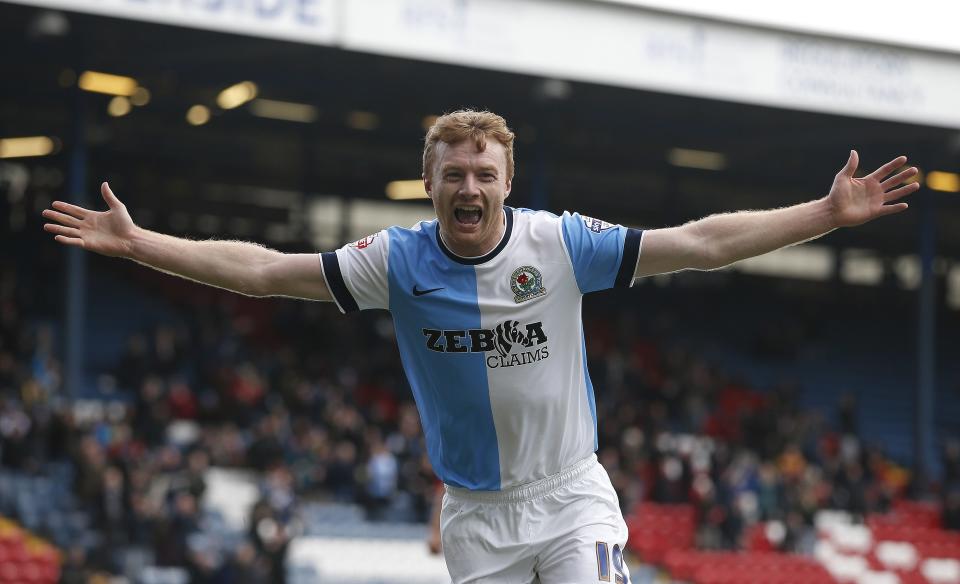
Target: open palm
106	232
858	200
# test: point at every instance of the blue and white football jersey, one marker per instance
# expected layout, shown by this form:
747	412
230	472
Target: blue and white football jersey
493	346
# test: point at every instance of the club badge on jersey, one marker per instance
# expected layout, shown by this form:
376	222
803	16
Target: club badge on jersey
527	284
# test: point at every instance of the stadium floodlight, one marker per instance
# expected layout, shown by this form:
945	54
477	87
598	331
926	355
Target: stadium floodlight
27	146
140	97
119	106
363	120
700	159
953	287
97	82
399	190
198	115
284	110
948	182
237	95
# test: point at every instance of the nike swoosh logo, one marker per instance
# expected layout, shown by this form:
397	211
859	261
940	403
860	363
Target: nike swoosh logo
418	292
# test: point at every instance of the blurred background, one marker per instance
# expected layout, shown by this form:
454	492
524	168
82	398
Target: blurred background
794	418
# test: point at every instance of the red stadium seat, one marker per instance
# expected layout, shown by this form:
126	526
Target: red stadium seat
51	573
657	529
917	513
24	558
32	573
9	572
744	568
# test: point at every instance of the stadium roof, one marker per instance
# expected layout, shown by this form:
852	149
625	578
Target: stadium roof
603	150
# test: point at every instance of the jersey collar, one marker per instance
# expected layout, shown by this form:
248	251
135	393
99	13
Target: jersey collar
508	229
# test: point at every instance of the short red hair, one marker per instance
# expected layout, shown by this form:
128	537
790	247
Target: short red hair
468	124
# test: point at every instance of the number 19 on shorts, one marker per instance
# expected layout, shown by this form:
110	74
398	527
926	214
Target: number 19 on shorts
604	563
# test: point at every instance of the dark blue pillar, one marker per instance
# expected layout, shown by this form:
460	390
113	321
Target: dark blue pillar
539	192
926	340
76	257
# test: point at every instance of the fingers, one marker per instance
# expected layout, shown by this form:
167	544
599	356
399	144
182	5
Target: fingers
78	212
889	167
891	209
851	166
61	230
901	192
68	220
899	178
69	240
108	196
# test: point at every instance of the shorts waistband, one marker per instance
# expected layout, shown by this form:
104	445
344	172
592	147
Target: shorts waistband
528	491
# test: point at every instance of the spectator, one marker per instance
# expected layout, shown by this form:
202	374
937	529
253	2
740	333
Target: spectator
381	470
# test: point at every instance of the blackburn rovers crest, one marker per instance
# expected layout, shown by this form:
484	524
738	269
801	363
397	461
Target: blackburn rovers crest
527	284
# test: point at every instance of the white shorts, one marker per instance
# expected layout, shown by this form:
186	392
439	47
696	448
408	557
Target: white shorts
564	529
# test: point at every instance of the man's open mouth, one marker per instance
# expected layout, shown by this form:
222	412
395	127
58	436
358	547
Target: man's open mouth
468	214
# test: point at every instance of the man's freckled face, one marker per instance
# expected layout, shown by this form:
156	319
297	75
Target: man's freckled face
468	187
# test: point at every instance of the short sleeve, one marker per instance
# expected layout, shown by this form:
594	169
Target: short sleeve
604	255
356	273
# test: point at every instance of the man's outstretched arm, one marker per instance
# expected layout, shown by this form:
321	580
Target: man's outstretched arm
720	240
238	266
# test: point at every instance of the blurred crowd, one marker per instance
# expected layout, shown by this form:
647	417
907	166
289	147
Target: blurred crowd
282	392
684	431
317	405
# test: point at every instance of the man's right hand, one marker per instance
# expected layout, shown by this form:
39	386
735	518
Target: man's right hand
246	268
107	232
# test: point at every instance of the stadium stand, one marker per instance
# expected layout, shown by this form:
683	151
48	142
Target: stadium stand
226	440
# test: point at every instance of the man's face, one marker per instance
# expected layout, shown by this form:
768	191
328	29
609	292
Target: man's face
468	188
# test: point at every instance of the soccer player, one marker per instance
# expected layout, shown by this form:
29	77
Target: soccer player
486	303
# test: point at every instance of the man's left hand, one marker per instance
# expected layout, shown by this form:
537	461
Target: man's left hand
857	200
